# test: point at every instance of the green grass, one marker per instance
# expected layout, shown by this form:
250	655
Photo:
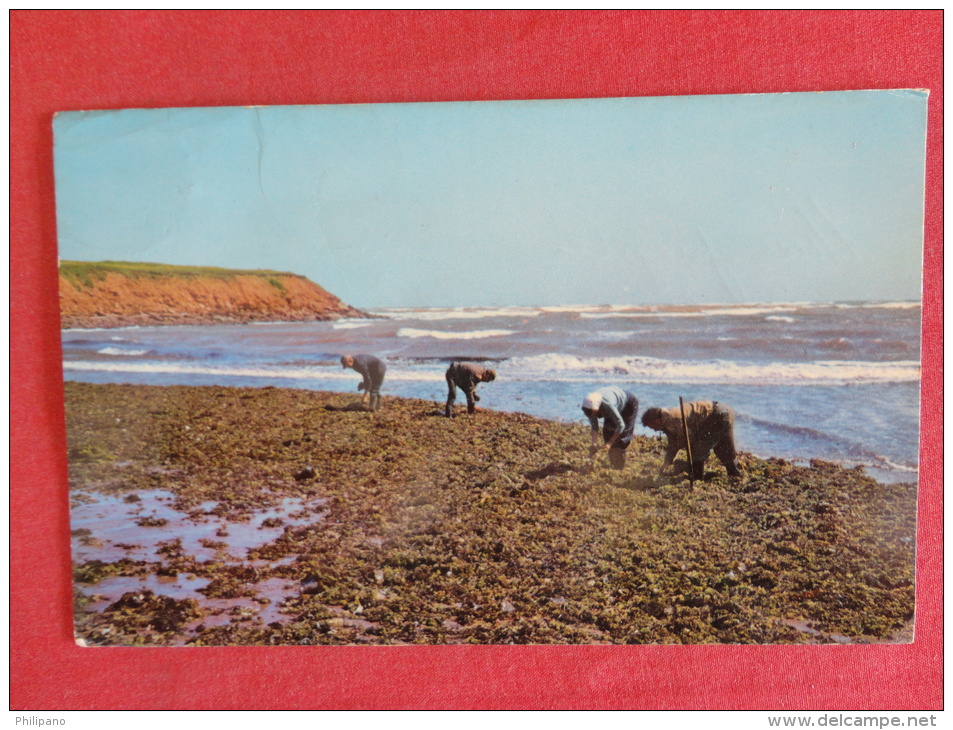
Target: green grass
87	273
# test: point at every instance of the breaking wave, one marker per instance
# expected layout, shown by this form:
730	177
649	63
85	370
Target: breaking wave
458	313
554	366
122	352
568	368
880	305
676	312
294	373
436	334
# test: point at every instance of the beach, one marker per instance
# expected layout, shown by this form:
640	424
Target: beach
834	381
211	515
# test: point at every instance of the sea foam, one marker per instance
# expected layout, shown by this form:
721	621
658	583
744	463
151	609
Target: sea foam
556	366
436	334
701	312
572	368
194	369
122	352
432	315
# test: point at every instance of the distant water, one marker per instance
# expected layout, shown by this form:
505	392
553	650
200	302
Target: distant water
832	381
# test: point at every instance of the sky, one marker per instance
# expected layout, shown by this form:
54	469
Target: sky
671	200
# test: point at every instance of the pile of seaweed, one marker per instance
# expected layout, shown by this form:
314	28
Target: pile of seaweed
488	528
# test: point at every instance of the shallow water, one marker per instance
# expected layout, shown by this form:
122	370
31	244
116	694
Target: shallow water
105	528
114	533
111	589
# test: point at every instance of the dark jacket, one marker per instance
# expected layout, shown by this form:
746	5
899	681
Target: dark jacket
372	368
465	375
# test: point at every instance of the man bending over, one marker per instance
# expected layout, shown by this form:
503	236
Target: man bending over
711	426
373	369
619	409
466	376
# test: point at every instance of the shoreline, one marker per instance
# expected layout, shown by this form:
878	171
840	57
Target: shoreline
119	321
403	526
875	466
789	403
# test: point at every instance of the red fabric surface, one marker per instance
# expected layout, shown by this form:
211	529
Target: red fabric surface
68	60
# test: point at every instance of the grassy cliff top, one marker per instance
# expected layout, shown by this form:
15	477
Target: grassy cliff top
85	273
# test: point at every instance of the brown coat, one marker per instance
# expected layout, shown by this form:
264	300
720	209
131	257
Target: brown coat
711	426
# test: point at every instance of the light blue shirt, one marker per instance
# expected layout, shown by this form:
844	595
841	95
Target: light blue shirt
613	401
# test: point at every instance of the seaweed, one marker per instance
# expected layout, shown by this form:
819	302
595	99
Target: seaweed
489	529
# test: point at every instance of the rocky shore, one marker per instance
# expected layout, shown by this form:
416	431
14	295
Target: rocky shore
273	516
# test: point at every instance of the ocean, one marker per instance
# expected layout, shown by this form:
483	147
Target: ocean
834	381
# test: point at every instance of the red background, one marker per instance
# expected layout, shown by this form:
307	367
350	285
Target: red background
69	60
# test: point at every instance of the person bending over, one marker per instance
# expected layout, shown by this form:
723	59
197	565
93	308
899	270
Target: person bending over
373	369
619	409
466	376
711	426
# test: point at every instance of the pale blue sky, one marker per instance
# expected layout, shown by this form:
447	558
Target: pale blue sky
704	199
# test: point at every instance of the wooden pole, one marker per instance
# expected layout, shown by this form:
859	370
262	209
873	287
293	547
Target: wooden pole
688	445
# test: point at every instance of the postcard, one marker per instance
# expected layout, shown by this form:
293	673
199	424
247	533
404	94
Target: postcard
598	371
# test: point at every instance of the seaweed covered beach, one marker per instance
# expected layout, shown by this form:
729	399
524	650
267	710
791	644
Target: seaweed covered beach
217	516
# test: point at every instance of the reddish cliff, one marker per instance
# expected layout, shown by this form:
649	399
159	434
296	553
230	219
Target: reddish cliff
118	294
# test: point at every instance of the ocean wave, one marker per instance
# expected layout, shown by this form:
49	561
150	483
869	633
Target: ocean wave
436	334
568	368
741	311
251	371
779	318
586	308
69	330
120	351
879	305
597	311
350	325
883	462
652	370
438	314
836	343
850	452
319	373
617	335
